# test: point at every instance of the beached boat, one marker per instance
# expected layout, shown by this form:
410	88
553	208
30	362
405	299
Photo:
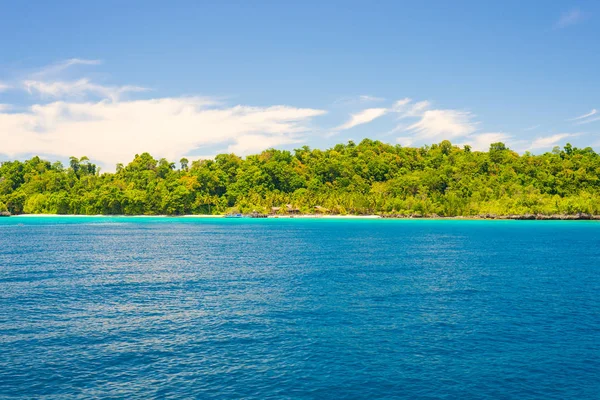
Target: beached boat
234	216
4	214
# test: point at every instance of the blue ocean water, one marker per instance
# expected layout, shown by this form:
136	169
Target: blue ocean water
97	307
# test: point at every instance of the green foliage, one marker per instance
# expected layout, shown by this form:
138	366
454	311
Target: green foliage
369	177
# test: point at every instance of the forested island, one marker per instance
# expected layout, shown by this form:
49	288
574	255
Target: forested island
366	178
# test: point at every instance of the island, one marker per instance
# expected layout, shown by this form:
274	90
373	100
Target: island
440	180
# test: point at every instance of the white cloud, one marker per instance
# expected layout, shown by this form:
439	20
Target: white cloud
404	108
400	105
4	86
584	116
405	141
416	110
362	117
482	141
79	88
532	128
255	143
432	125
367	98
569	18
407	110
548	141
443	124
113	132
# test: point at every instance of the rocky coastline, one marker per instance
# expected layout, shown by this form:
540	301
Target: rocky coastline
521	217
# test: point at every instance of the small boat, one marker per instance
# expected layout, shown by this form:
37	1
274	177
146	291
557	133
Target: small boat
5	214
234	216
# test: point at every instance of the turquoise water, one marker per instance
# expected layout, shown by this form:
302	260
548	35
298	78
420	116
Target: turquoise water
143	308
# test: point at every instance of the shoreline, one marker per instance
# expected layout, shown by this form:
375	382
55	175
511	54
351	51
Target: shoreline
514	217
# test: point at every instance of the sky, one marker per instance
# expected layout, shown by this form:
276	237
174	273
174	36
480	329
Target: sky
112	79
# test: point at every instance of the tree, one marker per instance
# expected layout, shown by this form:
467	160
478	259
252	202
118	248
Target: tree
445	147
497	152
569	149
74	163
184	164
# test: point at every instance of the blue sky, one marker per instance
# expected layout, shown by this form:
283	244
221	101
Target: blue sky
110	79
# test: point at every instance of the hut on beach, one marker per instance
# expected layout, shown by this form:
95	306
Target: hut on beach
288	209
291	210
321	210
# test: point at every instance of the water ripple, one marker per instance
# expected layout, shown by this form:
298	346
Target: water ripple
168	308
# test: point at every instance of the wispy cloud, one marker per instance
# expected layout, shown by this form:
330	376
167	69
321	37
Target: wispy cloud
443	124
569	18
406	108
363	117
587	121
367	98
430	124
61	66
357	100
4	86
400	105
79	88
48	82
584	116
552	140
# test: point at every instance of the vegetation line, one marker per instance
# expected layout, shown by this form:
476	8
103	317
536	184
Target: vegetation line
367	178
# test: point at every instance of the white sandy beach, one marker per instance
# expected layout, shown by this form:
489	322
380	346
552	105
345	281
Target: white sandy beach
306	216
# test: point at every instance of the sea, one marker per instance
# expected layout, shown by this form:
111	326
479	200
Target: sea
194	308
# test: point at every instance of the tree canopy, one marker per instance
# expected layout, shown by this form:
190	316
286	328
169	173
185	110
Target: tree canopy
369	177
